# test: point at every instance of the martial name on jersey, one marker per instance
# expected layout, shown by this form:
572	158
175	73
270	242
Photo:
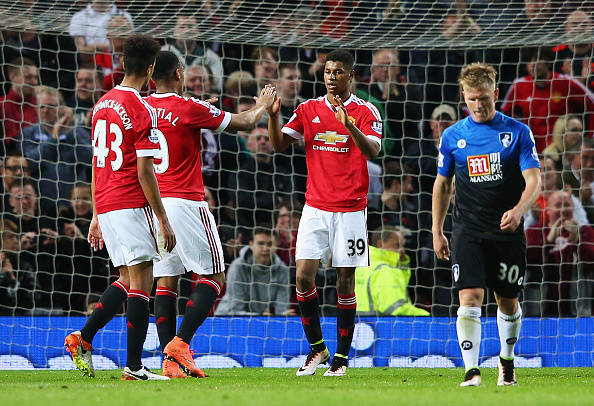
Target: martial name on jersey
337	178
487	160
178	165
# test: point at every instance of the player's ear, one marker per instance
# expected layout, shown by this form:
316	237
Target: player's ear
496	93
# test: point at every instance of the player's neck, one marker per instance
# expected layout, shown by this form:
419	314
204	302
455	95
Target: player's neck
344	96
166	89
134	82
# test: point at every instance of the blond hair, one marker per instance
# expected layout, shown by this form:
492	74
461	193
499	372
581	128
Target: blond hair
477	74
556	148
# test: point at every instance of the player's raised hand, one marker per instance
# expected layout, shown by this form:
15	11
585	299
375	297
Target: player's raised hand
168	235
212	100
267	96
340	111
274	109
95	236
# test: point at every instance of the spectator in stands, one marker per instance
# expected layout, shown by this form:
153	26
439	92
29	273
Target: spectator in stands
54	55
579	175
287	216
382	287
289	89
89	89
389	86
265	65
421	157
192	52
260	183
18	285
538	19
37	224
307	22
237	85
88	268
90	30
257	281
59	154
198	82
568	132
13	167
111	60
550	183
565	251
540	100
397	208
18	106
575	59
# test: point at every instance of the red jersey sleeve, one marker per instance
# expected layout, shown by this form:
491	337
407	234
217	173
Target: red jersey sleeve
294	127
371	124
147	139
204	115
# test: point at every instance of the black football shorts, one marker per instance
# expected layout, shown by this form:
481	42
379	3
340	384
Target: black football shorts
479	262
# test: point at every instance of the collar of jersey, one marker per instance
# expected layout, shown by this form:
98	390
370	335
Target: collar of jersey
168	94
346	102
127	89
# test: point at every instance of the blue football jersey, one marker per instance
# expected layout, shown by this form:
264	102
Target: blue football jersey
487	160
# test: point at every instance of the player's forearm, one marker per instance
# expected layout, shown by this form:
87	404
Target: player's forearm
279	141
531	192
442	193
247	119
367	146
150	187
93	189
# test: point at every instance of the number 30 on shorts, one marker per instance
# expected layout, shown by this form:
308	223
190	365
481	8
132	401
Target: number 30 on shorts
509	274
356	246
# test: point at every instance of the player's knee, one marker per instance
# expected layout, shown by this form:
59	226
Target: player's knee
305	282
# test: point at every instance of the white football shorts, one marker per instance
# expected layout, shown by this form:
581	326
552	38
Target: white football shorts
130	236
198	248
343	236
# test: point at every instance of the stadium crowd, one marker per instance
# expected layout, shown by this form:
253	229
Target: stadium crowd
50	84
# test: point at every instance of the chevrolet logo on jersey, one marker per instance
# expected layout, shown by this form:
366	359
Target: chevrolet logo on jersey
330	137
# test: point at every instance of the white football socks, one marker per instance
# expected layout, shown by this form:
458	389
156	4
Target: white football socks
509	332
468	326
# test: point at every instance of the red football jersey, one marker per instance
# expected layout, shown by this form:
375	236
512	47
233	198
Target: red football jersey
540	108
179	170
337	178
124	127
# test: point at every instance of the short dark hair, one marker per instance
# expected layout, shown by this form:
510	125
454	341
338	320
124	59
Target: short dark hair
165	65
394	171
21	183
262	230
341	55
543	54
140	52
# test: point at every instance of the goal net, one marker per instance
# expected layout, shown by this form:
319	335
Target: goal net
58	58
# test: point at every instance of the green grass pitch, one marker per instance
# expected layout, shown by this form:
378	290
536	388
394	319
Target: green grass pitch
280	387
